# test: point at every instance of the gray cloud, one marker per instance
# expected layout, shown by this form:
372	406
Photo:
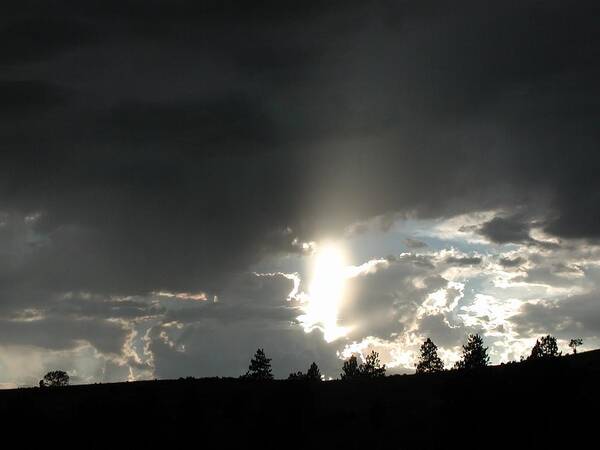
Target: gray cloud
225	350
218	339
87	306
511	262
463	261
577	316
386	301
65	334
414	244
504	230
444	335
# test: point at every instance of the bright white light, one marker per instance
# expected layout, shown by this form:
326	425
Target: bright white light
326	293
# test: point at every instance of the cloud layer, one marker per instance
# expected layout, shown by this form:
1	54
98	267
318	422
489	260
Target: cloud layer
154	148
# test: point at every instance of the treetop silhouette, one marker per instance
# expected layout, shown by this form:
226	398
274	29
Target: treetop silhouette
574	343
545	347
474	354
372	368
313	374
260	367
429	361
350	369
54	379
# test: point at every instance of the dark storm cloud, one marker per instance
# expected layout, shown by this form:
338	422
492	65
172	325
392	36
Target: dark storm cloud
85	306
514	229
233	313
28	96
503	230
234	122
261	138
169	146
247	297
32	36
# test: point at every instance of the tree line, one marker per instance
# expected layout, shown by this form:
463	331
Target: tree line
260	369
474	355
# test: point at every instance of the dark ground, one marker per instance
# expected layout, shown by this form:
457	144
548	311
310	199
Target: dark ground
535	405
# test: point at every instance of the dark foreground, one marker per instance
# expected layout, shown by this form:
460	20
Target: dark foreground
549	404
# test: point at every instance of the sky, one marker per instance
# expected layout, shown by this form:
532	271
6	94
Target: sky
184	182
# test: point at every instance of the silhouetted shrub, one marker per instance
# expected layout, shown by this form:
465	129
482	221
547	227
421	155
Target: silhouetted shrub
574	343
297	376
474	354
313	374
545	347
55	378
260	367
429	361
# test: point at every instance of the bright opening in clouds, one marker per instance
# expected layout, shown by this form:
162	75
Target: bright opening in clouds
326	293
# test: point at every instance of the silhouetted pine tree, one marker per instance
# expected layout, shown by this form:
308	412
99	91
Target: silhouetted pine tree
260	367
474	354
545	347
350	369
313	374
429	361
372	367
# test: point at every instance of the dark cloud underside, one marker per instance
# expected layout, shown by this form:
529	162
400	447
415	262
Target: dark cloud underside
175	143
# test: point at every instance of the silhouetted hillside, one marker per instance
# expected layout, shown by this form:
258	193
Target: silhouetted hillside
520	404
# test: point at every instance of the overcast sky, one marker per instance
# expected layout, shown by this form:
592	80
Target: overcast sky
170	171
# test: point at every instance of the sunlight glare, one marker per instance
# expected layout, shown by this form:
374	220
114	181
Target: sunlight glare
326	292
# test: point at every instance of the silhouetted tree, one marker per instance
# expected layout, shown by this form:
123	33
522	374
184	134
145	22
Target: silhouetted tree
574	343
474	354
260	367
55	378
545	347
429	361
313	374
350	369
372	367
